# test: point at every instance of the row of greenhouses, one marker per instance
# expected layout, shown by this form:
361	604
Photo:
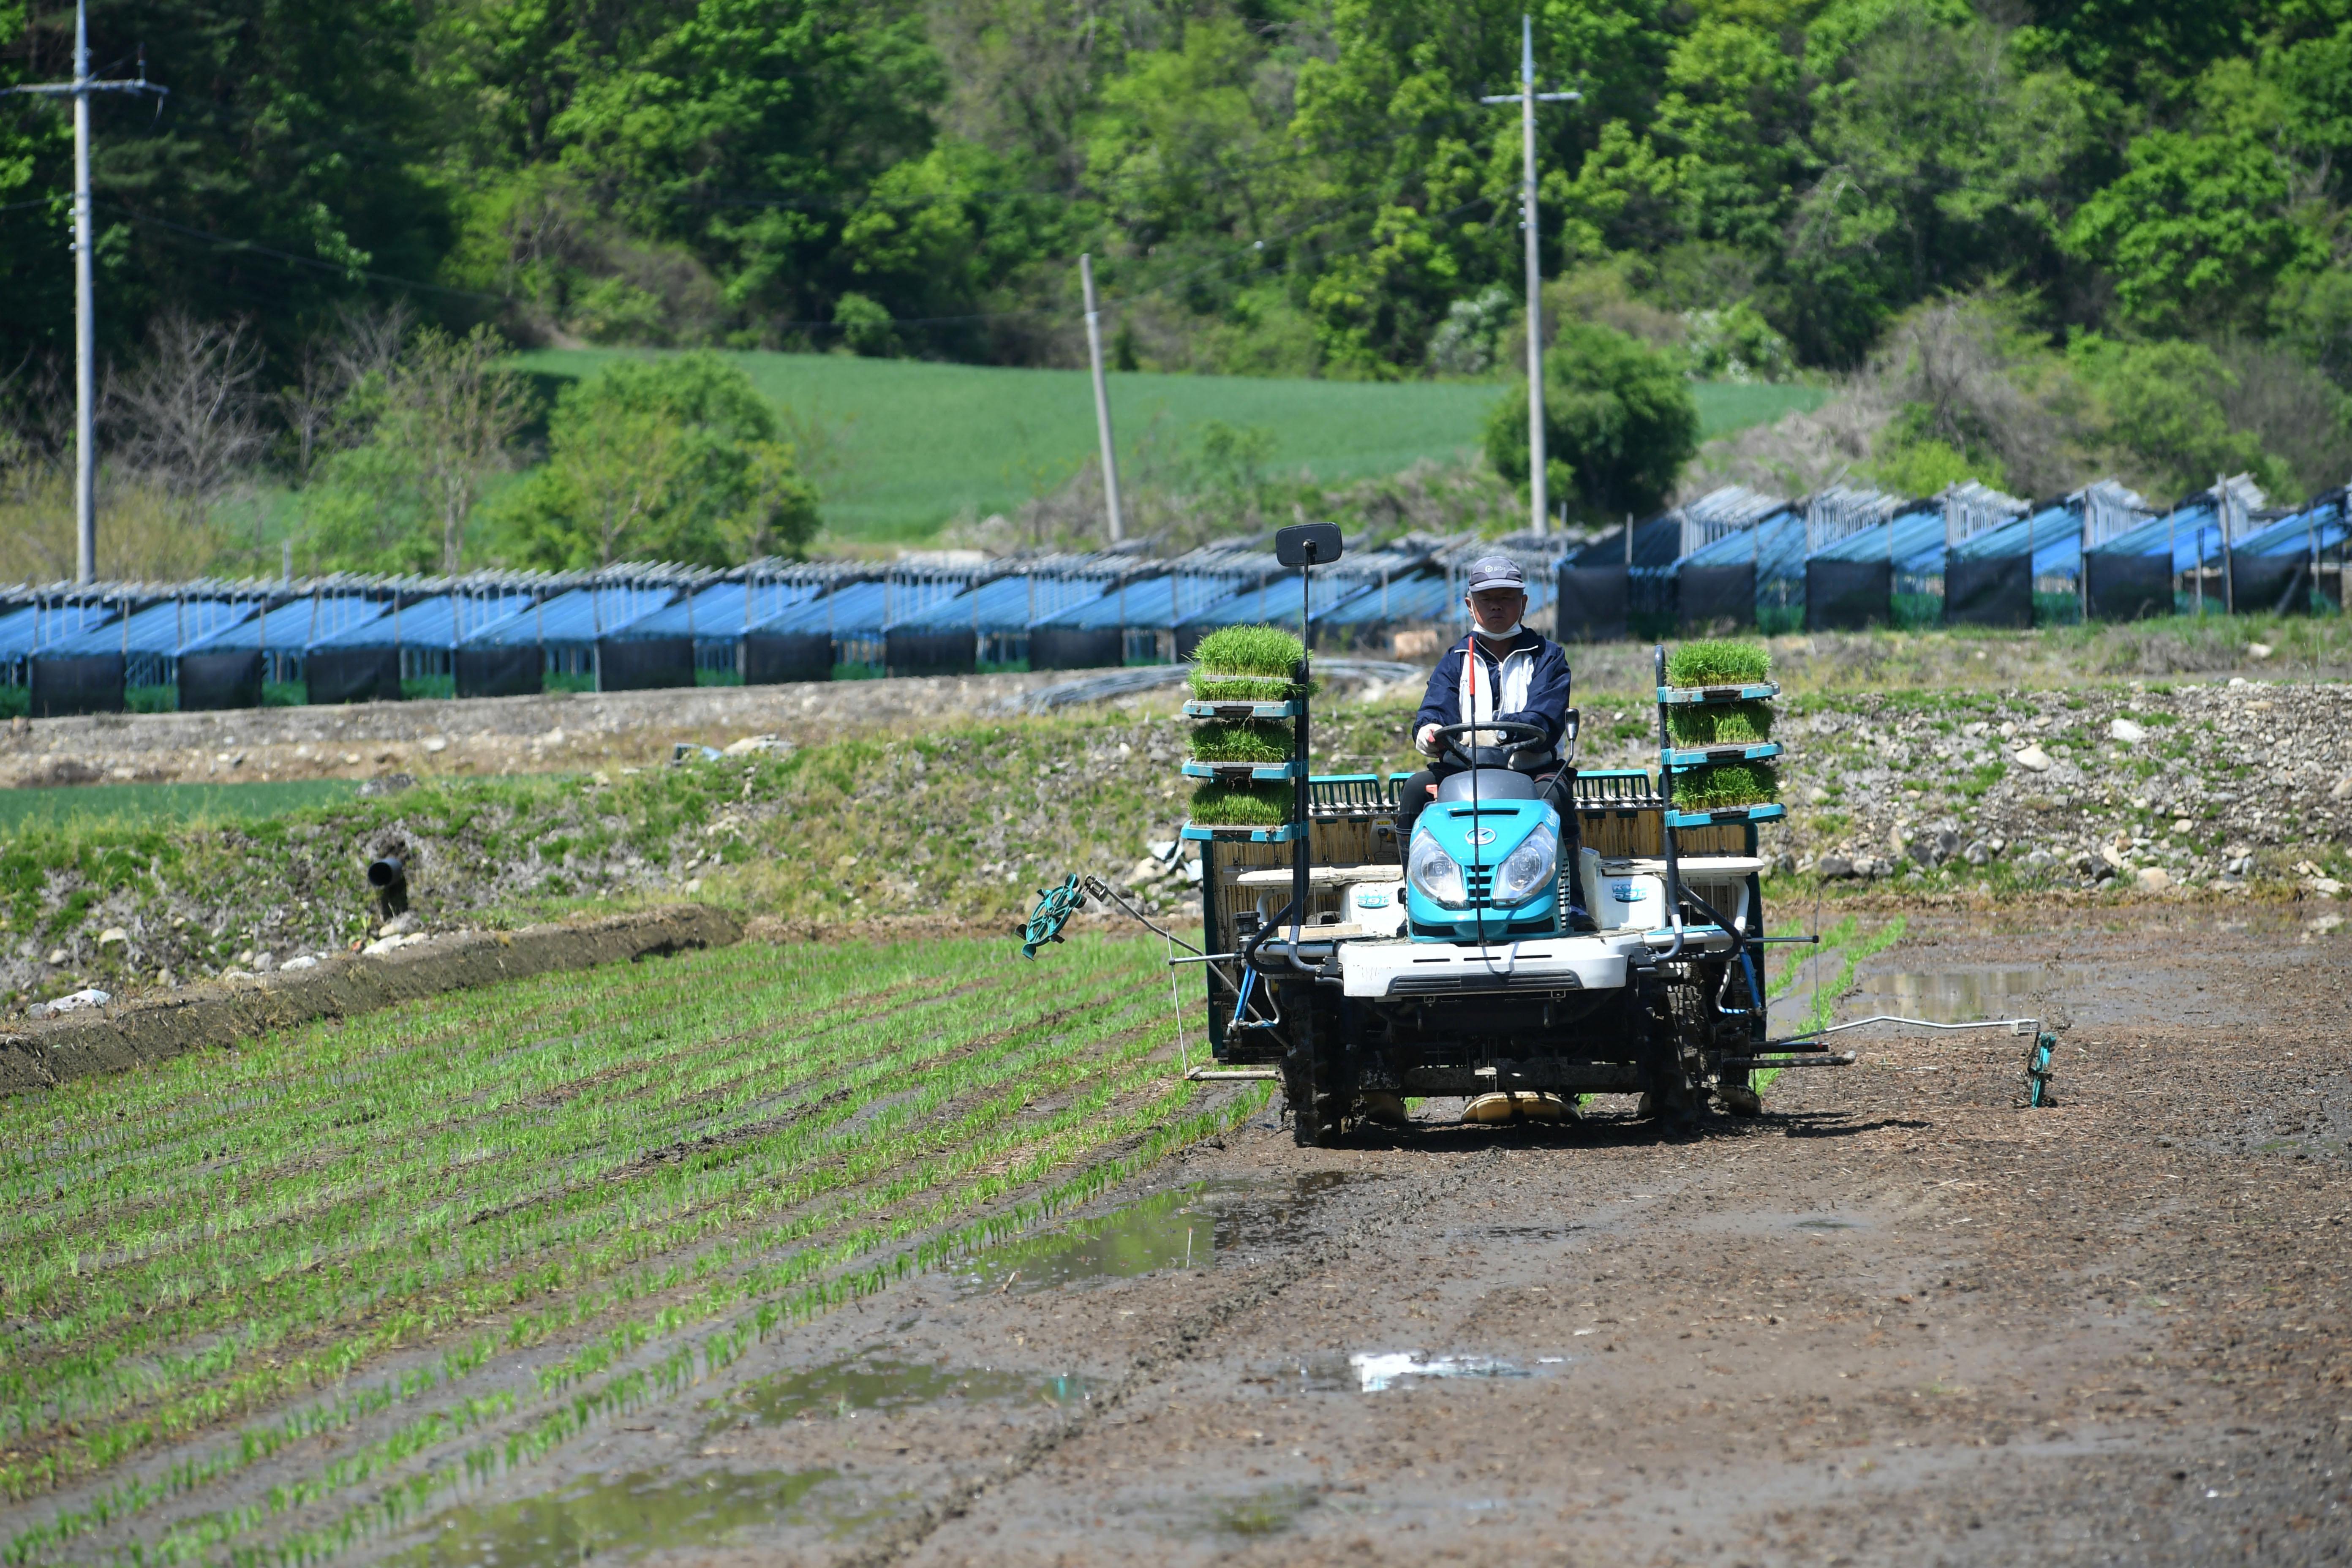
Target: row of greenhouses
1847	558
1737	558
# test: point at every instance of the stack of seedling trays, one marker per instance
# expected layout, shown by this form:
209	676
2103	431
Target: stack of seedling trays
1717	710
1245	692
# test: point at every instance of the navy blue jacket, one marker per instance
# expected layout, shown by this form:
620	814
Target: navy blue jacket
1547	688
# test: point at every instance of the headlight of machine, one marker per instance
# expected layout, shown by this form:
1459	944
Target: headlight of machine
1526	870
1432	871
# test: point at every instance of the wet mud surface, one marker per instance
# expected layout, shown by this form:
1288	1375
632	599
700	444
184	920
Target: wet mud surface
1894	1320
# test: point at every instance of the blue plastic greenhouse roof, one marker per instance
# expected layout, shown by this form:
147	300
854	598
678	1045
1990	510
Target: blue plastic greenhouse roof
854	609
1657	540
1427	595
2054	533
1008	604
1276	603
722	610
163	628
26	630
2181	527
581	616
1167	599
1777	545
2325	523
441	622
1918	541
294	625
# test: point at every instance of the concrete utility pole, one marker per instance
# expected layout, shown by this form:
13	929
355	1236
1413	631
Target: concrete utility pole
85	315
1102	400
1527	98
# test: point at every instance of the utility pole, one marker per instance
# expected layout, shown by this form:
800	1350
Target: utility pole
85	314
1102	400
1527	98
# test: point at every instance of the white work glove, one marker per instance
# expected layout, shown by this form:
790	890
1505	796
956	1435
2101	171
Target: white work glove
1426	741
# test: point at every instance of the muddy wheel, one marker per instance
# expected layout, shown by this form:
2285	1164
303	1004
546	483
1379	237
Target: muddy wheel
1310	1081
1678	1056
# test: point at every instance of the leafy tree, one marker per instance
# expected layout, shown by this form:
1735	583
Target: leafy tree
2166	417
1619	423
2198	231
673	459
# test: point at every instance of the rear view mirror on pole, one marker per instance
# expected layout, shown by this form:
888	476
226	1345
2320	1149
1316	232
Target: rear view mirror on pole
1307	544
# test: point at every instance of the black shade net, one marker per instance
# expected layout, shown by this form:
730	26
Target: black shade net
353	674
1717	598
643	664
1847	595
212	683
63	688
519	670
1594	603
1077	647
773	659
1989	591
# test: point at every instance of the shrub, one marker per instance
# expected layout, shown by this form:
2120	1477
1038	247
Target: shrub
1242	740
1727	783
1719	723
1717	663
1242	805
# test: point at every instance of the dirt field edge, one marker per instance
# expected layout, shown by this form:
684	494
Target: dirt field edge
46	1053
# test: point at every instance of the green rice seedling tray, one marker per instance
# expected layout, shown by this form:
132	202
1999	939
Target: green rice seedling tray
1244	773
1770	811
1196	709
1282	835
1700	756
1763	690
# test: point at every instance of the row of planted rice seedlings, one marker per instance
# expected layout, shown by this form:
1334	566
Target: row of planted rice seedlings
208	1195
217	1402
594	1383
208	1405
985	1132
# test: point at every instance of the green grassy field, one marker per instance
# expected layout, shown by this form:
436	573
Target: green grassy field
919	442
141	804
632	1171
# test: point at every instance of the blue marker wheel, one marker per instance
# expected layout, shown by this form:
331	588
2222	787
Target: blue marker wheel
1055	908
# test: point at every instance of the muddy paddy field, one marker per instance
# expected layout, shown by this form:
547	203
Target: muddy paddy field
667	1285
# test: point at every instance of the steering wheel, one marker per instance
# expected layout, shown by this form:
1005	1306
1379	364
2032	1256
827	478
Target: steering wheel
1530	737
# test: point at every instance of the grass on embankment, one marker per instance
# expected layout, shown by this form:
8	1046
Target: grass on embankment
640	1168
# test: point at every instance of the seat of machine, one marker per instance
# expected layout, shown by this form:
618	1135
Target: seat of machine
1493	784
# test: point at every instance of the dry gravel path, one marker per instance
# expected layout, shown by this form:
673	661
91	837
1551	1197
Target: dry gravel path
1896	1320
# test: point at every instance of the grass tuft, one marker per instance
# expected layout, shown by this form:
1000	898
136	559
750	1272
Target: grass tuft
1719	723
1248	650
1713	662
1241	805
1727	783
1242	740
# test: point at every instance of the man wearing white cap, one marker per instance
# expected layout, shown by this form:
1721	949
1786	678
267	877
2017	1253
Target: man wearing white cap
1500	671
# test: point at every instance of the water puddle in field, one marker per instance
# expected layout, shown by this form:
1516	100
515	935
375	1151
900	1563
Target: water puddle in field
870	1381
1378	1372
1184	1227
616	1520
1955	996
1826	1224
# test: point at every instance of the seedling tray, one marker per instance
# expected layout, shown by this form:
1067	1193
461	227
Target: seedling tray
1282	835
1700	756
1244	773
1770	811
1762	690
1196	709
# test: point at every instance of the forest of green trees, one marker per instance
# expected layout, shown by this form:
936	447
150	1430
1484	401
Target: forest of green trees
2031	238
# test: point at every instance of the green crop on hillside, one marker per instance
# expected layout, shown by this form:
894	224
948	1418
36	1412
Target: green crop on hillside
652	1163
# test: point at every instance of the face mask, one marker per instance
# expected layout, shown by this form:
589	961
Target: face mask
1504	636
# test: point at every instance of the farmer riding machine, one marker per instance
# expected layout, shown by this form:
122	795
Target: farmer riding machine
1364	970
